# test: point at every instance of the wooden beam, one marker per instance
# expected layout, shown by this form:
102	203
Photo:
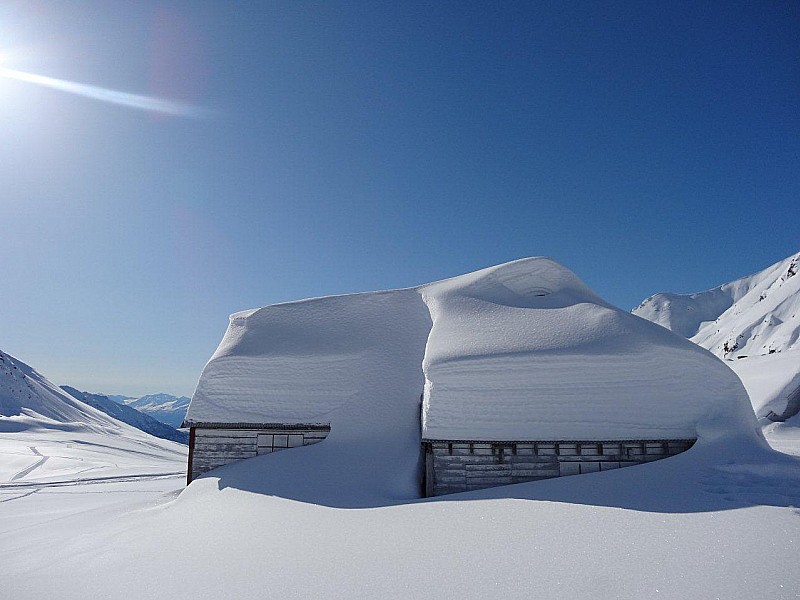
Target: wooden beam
191	455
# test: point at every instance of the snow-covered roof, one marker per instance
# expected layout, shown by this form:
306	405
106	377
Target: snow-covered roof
520	351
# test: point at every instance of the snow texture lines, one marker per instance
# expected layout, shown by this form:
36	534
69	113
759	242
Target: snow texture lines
26	471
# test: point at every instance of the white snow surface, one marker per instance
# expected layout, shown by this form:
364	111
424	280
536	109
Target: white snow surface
47	436
718	521
523	350
756	317
769	379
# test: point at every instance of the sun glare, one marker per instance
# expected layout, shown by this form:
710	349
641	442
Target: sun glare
136	101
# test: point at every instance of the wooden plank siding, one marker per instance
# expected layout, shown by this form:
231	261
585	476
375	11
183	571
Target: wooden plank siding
215	445
458	466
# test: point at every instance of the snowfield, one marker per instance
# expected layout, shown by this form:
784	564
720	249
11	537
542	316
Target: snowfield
719	521
66	467
47	435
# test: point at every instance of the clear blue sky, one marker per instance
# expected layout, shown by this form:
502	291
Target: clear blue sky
647	146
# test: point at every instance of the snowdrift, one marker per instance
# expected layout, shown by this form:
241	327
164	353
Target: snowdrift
524	350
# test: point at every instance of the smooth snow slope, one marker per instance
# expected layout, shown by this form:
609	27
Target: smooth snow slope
520	351
46	435
718	521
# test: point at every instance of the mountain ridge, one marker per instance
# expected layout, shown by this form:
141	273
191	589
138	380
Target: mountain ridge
129	415
752	324
162	407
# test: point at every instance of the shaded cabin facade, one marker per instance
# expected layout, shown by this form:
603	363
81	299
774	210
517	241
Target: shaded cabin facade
213	445
462	466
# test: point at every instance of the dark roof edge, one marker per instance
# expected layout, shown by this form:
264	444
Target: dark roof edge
215	425
540	441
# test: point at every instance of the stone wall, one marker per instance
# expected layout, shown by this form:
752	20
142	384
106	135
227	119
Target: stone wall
459	466
212	447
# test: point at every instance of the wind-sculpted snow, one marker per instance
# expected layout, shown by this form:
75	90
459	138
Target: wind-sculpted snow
351	361
524	350
527	351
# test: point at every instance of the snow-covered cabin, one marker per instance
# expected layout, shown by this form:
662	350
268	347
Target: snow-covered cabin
523	373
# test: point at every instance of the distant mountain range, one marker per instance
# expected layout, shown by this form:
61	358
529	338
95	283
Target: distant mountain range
129	415
165	408
753	324
30	401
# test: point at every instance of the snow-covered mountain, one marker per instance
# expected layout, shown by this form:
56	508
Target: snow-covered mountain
48	435
754	315
162	407
118	398
29	400
129	415
753	324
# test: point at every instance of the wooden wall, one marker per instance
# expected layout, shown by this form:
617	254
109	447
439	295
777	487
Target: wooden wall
460	466
213	447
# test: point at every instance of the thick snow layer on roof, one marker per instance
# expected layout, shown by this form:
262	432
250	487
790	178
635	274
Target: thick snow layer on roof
524	350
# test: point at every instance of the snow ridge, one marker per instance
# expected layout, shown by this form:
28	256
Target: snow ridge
754	315
752	323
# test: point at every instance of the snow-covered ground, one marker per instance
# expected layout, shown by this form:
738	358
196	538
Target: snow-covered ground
47	435
65	469
719	521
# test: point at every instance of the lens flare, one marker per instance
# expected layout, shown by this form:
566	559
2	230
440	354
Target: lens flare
148	103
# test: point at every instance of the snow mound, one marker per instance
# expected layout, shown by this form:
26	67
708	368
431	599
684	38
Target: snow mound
523	350
526	350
